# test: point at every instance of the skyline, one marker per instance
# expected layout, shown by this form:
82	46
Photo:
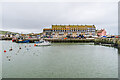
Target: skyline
33	17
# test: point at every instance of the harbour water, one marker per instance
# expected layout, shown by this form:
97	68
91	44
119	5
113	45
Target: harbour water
60	60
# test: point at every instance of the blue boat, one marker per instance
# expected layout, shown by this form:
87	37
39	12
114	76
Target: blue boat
23	41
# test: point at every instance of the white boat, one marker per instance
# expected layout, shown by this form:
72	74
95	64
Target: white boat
43	43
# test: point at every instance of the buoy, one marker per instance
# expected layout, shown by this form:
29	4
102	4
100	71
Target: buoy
65	38
19	47
34	44
5	51
10	49
8	59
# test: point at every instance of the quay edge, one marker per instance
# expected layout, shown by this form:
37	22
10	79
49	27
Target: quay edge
68	40
112	42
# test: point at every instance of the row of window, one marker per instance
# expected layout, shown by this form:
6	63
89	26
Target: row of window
74	30
72	33
68	30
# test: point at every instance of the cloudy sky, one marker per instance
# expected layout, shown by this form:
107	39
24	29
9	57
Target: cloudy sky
29	17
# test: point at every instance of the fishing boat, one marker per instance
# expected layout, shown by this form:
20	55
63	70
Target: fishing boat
23	41
42	43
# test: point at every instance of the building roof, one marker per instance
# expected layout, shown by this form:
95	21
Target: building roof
73	26
47	29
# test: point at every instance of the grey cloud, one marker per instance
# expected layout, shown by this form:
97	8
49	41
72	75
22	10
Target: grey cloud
33	17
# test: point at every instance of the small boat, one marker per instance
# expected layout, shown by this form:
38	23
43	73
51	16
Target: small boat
42	43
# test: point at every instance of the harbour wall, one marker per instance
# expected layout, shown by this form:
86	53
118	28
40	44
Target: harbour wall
112	42
115	42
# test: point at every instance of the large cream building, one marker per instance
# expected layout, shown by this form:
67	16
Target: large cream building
73	30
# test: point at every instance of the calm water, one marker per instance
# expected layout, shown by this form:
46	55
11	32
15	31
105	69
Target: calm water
61	60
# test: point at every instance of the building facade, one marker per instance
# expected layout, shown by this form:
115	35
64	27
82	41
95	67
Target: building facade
72	30
101	32
47	32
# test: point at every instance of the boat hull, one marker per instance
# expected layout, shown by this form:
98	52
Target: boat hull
26	41
43	44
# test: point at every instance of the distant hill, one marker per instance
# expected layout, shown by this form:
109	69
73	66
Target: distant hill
5	32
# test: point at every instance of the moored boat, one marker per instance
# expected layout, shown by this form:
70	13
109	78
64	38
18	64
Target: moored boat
23	41
42	43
